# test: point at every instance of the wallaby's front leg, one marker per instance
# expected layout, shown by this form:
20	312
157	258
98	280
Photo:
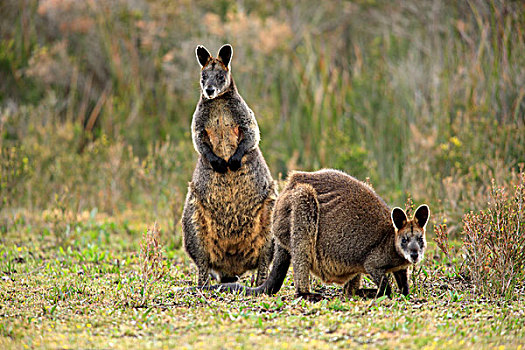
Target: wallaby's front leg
248	135
217	163
401	277
235	161
380	279
203	146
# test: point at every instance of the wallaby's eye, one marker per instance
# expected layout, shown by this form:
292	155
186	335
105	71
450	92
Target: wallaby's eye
404	240
220	79
420	240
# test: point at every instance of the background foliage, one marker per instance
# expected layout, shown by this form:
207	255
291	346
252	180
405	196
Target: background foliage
96	97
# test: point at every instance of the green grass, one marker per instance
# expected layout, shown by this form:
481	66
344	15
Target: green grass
88	293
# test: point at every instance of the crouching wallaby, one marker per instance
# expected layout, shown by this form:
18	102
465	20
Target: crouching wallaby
227	213
336	227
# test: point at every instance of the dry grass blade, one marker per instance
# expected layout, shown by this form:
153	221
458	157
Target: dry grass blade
151	261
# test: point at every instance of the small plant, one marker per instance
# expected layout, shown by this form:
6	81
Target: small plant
409	205
152	266
15	168
494	242
419	277
62	221
441	239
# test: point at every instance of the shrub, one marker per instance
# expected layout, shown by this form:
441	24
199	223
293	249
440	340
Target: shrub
441	231
494	242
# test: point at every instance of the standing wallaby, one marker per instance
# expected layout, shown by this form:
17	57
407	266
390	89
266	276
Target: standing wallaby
227	213
336	227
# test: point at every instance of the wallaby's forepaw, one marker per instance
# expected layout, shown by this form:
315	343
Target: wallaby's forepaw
313	297
219	165
234	163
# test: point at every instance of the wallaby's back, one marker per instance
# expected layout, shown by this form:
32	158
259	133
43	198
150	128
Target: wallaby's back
352	217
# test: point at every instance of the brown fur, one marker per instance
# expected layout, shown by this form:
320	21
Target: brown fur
233	229
336	227
222	131
226	217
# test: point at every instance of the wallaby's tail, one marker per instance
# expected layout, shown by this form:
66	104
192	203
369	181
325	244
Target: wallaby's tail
281	263
272	285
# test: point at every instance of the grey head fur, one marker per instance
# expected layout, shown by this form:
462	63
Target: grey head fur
215	72
410	241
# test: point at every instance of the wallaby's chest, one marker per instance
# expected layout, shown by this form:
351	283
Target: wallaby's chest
222	130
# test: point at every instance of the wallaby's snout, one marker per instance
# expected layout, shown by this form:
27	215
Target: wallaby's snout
414	248
210	92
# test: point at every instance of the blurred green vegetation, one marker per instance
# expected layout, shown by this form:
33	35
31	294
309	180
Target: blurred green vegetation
96	97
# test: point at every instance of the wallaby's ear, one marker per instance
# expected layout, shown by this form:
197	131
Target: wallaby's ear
399	218
202	55
421	215
225	54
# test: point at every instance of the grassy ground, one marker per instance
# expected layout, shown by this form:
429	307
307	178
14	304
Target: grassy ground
84	290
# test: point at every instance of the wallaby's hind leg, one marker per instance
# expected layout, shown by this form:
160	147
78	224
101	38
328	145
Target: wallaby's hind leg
401	277
304	222
352	286
192	243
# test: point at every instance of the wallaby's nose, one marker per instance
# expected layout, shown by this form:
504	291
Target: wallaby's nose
414	255
210	91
